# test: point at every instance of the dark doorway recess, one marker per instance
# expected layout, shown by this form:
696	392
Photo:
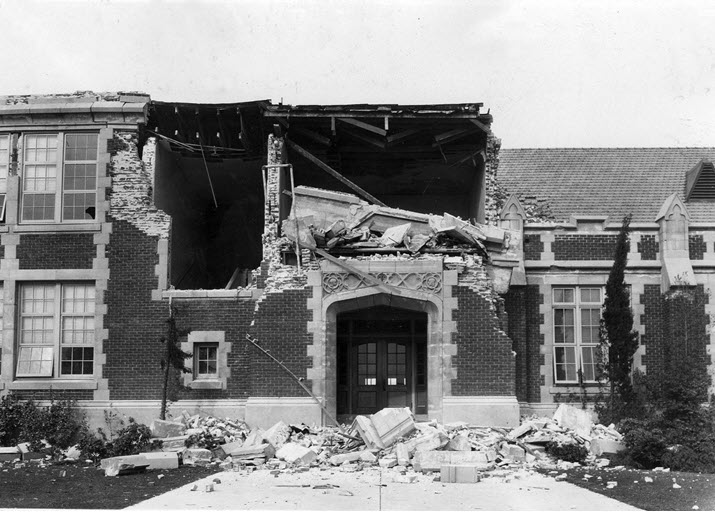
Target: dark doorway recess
381	360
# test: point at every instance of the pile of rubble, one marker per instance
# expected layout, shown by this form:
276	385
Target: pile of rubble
388	439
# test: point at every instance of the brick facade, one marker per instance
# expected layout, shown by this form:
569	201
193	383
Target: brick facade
56	251
522	306
281	326
584	247
648	247
697	247
533	247
484	361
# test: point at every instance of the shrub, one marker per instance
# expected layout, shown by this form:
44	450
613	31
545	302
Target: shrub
569	452
133	439
645	443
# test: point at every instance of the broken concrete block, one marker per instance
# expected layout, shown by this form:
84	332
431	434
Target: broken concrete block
277	435
460	474
249	452
578	420
341	458
514	453
9	453
431	441
367	432
395	235
230	447
433	461
521	430
161	460
388	463
403	454
296	454
163	428
392	423
367	456
254	438
115	466
459	443
174	444
405	479
600	446
27	454
200	456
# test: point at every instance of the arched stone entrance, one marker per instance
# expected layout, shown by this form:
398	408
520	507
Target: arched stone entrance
381	360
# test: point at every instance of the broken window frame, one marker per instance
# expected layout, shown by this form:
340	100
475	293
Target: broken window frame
55	189
578	370
61	304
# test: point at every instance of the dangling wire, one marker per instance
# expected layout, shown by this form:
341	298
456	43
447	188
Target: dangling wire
207	174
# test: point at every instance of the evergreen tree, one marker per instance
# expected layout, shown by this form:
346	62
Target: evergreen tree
174	357
619	337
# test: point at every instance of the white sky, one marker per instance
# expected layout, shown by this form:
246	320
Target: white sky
554	73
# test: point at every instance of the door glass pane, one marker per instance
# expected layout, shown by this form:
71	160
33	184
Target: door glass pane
367	364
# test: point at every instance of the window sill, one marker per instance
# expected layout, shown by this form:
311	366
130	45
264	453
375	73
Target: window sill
207	384
574	388
44	228
23	384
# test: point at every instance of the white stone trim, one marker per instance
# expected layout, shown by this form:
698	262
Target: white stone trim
224	348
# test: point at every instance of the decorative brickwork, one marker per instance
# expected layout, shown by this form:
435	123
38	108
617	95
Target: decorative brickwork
56	251
584	247
648	247
281	326
533	247
484	361
697	247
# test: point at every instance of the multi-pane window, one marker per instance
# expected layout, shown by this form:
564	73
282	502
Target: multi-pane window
4	168
56	332
577	314
206	360
59	177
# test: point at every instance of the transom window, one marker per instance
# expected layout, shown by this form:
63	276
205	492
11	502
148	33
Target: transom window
577	315
56	334
59	177
206	360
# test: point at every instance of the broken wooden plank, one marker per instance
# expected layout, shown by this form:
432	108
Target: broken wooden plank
234	276
481	125
317	161
365	126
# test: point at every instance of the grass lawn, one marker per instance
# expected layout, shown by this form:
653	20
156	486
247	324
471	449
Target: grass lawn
81	485
696	490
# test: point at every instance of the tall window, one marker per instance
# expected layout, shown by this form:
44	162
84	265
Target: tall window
59	177
577	314
56	334
4	168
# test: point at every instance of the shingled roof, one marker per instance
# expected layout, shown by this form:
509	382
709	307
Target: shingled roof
603	181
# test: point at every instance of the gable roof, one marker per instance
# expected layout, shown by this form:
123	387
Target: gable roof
603	181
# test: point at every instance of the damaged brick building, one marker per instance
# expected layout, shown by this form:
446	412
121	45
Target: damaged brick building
387	255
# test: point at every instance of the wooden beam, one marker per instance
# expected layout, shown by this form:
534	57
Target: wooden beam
481	125
400	136
362	124
451	135
335	174
320	139
370	140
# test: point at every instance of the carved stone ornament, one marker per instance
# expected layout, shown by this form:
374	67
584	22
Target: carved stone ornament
336	282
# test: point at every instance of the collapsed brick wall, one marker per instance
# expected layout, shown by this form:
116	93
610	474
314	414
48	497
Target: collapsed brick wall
522	306
495	195
584	247
281	326
56	251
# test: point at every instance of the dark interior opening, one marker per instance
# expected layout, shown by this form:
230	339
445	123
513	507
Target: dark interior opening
208	178
381	360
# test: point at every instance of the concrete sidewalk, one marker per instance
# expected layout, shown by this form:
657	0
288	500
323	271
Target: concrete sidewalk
377	489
